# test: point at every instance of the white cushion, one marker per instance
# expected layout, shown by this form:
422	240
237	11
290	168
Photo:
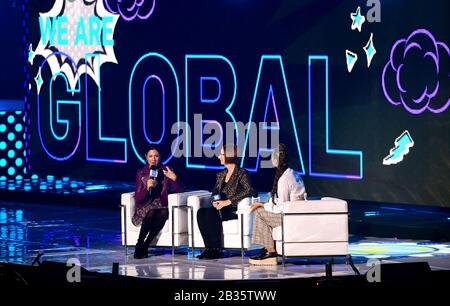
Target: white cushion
230	241
326	205
313	249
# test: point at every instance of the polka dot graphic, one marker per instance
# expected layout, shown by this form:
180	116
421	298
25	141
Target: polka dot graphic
12	144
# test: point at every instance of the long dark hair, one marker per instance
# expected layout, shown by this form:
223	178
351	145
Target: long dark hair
283	164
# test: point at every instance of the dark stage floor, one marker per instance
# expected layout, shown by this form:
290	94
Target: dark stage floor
67	219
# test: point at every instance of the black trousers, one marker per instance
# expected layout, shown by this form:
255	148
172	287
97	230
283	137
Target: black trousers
151	226
210	224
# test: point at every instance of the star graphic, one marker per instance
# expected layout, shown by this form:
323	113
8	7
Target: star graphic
357	19
39	81
370	50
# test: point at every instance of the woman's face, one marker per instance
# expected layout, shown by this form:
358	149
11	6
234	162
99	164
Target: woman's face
152	158
222	157
274	161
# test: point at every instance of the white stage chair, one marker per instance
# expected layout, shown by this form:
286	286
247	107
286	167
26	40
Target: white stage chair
237	234
313	228
175	231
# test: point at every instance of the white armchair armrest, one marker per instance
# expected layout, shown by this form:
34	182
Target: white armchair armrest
198	201
244	206
180	199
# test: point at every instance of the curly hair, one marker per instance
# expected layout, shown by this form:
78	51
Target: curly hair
283	164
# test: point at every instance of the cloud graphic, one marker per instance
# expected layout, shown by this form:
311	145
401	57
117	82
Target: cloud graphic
417	74
131	9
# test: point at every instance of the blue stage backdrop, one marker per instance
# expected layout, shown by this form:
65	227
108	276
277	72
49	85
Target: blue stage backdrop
358	90
12	64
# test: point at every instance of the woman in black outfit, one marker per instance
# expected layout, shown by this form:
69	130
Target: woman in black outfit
232	186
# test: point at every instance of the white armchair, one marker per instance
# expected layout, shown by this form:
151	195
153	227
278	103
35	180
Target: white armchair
313	228
175	231
237	234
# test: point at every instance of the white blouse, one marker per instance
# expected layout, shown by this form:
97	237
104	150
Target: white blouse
290	188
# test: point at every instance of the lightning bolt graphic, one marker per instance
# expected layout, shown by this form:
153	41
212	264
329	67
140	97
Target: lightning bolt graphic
402	145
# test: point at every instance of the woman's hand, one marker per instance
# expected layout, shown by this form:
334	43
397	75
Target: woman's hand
256	205
221	204
170	174
151	183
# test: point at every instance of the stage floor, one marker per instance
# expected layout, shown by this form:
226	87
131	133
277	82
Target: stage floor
92	236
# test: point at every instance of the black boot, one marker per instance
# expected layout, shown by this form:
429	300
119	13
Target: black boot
140	251
204	254
215	253
153	225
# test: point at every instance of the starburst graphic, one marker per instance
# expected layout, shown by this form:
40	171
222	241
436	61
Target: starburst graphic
370	50
75	12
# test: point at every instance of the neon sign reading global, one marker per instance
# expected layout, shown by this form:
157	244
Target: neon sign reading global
85	43
166	74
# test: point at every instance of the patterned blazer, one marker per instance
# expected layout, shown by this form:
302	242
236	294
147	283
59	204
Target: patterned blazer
238	187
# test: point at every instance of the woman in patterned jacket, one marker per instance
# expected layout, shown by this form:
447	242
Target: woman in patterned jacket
232	185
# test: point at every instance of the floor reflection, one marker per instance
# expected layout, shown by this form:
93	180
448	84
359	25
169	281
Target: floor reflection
92	236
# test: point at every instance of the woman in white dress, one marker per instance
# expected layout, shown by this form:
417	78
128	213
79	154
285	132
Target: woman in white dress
287	186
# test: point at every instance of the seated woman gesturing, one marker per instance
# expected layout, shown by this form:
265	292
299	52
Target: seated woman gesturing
153	184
